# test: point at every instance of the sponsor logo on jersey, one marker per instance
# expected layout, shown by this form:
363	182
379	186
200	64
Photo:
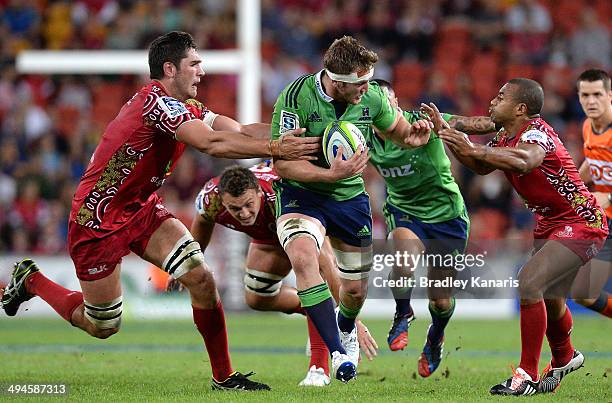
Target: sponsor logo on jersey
568	232
534	135
288	121
394	172
314	117
172	106
601	171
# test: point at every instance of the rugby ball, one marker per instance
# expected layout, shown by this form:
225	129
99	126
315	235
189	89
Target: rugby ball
341	133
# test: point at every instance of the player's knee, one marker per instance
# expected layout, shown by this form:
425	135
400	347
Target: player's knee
104	318
529	287
294	229
356	290
103	333
354	265
199	282
184	256
303	260
261	288
441	304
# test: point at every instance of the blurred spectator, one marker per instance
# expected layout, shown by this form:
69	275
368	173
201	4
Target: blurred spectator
591	44
528	24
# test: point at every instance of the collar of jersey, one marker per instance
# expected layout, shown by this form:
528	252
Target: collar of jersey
319	86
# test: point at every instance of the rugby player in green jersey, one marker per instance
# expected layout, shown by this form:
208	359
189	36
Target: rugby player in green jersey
316	199
424	212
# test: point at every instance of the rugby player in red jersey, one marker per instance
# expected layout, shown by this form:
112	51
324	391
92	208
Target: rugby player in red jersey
570	226
243	199
116	208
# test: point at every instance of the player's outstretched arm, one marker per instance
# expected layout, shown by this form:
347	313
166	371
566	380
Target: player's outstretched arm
484	159
229	144
471	125
256	130
305	171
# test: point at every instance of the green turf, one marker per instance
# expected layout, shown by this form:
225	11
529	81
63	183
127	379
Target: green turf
162	361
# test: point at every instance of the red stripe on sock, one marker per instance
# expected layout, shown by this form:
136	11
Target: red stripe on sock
607	311
211	325
62	300
559	340
319	352
533	329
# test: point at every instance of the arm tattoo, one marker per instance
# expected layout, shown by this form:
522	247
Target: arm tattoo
472	125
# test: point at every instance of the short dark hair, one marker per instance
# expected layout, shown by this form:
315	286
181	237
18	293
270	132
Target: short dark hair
593	75
530	93
170	47
236	180
346	55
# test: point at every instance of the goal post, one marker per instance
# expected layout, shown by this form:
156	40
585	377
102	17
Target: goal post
245	61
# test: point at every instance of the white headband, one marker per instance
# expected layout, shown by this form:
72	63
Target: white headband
354	77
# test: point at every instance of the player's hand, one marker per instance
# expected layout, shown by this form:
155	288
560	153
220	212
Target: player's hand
342	169
366	341
602	199
173	285
434	114
292	147
419	133
458	141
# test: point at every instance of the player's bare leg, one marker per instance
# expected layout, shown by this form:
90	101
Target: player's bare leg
553	265
266	266
103	298
172	248
302	236
588	287
105	292
354	264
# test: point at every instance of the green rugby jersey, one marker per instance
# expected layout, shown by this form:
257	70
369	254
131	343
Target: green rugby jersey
303	103
419	181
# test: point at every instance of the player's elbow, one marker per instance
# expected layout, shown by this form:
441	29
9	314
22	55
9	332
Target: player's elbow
211	147
521	166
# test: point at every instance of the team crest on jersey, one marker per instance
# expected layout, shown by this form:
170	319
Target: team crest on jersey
365	113
288	121
172	106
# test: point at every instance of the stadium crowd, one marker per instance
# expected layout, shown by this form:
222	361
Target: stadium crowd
455	53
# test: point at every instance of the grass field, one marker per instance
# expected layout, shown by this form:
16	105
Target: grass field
165	361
